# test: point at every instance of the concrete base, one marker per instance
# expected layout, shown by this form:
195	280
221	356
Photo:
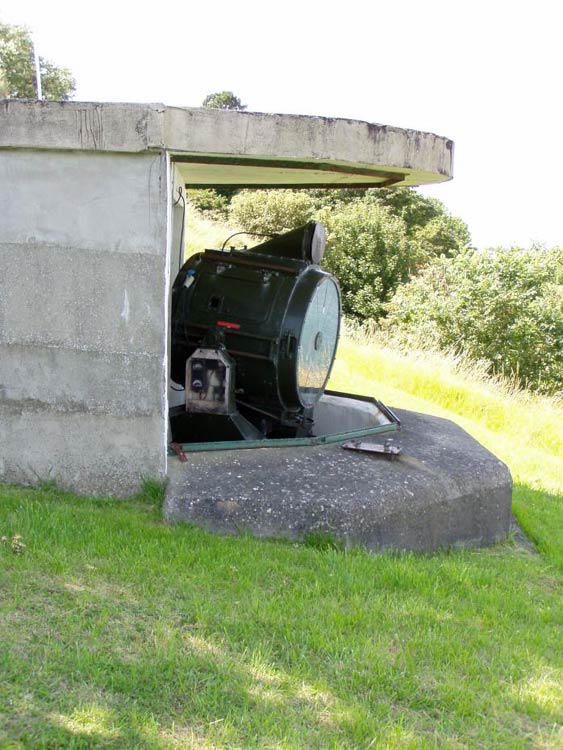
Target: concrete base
444	490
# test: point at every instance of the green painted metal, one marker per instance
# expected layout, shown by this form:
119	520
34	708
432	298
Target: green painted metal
276	312
335	437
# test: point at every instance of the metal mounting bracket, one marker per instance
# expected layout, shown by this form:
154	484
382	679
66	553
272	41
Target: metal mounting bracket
387	449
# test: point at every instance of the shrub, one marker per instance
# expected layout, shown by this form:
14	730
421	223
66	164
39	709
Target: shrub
367	250
504	307
270	211
441	235
211	202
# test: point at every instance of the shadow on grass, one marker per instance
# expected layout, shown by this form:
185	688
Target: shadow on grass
190	693
201	695
540	514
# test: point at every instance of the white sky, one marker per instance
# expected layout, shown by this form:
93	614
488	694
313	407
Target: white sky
488	75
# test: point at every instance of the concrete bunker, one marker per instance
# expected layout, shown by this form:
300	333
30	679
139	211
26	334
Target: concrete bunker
91	227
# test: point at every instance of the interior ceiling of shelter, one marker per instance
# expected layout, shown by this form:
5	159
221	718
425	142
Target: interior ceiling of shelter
208	171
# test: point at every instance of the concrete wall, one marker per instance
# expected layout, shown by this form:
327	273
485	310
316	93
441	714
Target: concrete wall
83	316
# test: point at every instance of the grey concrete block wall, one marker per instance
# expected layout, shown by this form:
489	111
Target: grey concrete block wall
83	285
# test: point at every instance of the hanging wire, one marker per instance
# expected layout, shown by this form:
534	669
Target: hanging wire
176	202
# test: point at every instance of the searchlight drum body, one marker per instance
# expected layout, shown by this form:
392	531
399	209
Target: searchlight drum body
269	315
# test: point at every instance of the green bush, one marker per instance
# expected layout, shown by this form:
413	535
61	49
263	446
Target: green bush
211	202
368	251
441	235
270	211
503	307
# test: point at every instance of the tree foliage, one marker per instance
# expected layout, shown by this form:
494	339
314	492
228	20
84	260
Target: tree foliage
367	250
17	68
271	211
223	100
441	235
503	307
415	209
427	221
376	239
212	203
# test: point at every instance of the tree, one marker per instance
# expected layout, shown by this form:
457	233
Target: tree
17	68
442	235
430	229
223	100
415	209
368	251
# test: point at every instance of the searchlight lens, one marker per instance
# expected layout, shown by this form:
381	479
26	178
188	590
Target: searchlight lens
317	344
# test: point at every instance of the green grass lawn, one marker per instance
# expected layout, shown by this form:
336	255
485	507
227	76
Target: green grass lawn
117	631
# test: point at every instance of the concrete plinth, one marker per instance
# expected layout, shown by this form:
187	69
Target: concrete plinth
444	490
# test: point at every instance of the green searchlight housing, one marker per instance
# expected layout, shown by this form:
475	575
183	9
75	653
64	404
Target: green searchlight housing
254	336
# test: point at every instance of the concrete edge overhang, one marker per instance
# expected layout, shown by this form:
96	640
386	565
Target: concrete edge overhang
222	147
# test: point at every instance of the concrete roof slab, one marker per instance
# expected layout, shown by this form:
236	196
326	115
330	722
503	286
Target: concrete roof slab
216	147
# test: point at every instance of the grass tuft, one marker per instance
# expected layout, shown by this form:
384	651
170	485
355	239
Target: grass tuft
323	542
152	492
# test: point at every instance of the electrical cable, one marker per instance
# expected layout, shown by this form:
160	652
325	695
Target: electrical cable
176	202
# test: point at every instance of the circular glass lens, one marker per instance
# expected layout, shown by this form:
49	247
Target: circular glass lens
317	344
